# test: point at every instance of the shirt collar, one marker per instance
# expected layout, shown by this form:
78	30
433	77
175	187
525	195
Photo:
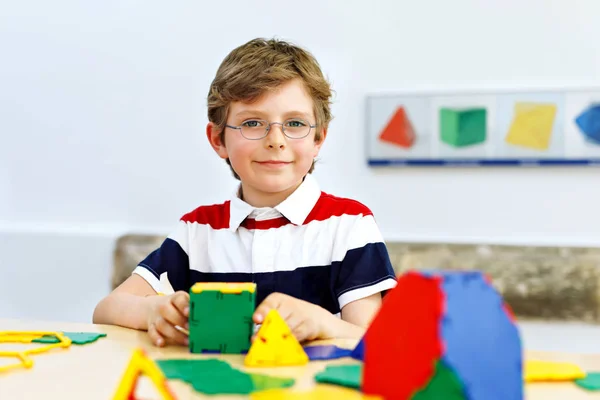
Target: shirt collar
295	208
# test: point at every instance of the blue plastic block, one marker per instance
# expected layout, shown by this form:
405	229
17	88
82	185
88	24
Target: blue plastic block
482	344
359	351
329	352
589	123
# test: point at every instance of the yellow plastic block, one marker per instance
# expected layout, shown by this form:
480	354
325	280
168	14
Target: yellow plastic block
275	345
224	287
140	364
28	337
532	125
546	371
320	392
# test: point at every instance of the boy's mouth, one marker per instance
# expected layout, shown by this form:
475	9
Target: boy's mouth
274	163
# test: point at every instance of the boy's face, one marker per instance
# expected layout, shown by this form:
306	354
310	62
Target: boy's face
275	163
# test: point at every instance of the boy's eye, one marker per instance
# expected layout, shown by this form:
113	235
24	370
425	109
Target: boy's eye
252	123
295	123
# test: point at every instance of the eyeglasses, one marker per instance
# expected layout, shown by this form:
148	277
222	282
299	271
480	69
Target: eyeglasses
255	129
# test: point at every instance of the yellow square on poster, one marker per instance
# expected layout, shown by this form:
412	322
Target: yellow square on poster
532	125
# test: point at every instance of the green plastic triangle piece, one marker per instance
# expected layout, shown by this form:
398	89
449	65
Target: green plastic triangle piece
444	385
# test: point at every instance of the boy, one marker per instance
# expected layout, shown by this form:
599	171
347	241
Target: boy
318	259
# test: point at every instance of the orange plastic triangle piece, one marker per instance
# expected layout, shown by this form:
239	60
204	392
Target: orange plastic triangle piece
275	345
140	364
399	130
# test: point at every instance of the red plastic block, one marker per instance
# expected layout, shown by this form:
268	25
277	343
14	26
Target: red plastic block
399	131
402	345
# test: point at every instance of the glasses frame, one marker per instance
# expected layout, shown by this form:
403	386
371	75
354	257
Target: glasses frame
268	128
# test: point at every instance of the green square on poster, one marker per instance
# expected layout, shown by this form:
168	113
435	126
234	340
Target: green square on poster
465	127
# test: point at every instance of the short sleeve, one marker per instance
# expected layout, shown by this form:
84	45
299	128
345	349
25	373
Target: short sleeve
366	268
167	269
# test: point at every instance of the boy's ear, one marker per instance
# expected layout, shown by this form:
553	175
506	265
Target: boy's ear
214	138
320	142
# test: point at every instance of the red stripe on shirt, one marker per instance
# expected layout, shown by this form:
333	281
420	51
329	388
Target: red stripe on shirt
216	215
265	224
331	206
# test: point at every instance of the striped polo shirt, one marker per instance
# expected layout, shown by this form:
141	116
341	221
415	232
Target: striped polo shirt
314	246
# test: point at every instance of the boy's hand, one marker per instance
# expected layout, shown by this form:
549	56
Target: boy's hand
165	313
306	320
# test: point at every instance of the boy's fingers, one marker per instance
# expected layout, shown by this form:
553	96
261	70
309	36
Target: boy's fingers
170	313
168	331
181	301
272	301
155	337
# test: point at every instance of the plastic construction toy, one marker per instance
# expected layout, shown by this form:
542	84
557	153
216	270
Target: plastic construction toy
275	345
220	318
29	337
141	364
447	335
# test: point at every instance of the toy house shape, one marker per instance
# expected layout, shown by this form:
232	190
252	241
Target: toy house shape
532	125
447	332
220	318
463	127
399	130
139	365
589	123
275	345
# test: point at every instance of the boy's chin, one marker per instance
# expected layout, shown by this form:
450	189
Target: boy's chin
277	184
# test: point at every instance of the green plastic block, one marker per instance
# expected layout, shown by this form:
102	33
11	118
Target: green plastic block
212	376
343	375
590	382
460	128
76	338
444	385
221	322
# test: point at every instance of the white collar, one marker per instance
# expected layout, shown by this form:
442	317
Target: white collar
295	208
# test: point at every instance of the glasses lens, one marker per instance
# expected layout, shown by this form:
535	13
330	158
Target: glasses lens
296	128
254	129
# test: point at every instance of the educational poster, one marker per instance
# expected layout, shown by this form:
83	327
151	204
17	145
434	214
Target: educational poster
520	128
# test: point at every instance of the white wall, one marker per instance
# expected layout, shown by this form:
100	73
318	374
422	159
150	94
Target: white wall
102	116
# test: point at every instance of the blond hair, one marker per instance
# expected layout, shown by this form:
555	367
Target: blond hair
261	65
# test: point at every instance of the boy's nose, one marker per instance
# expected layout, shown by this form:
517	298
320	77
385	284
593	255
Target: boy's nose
276	138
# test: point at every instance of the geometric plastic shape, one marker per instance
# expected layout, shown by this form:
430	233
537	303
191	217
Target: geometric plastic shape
403	342
551	371
319	392
460	128
28	337
212	376
359	351
590	382
275	345
447	331
444	385
140	364
532	125
482	344
343	375
589	123
399	130
76	338
328	352
220	318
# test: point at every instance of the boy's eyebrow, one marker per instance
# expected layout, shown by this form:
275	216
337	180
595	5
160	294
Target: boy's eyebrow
263	114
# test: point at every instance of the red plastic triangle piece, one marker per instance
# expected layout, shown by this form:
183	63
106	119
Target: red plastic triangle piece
399	130
402	345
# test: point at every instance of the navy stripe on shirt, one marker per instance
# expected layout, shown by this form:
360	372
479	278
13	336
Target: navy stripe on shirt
320	285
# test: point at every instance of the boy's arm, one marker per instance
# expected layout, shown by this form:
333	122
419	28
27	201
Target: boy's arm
128	305
356	317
